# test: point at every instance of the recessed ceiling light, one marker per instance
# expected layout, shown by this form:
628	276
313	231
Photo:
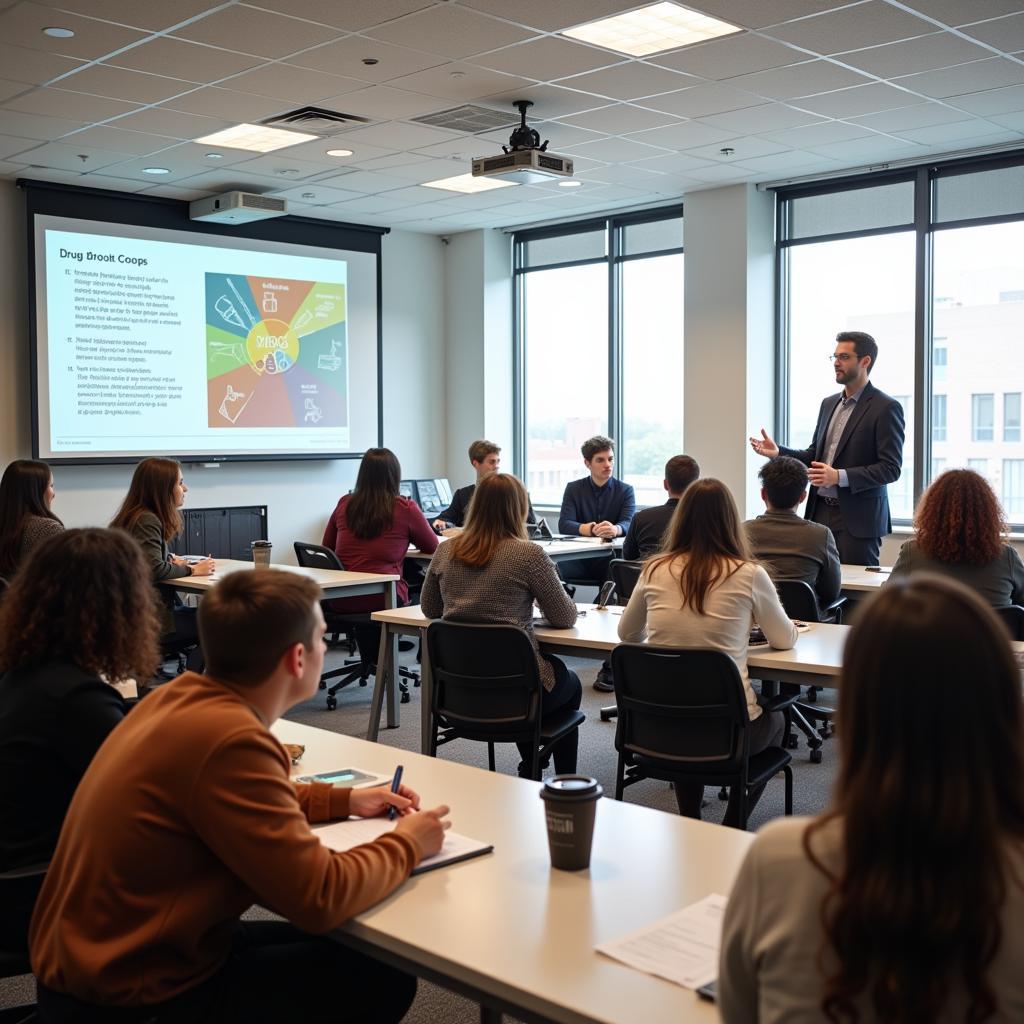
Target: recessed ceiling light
285	171
309	195
257	138
467	183
156	170
56	32
214	156
339	152
569	184
664	26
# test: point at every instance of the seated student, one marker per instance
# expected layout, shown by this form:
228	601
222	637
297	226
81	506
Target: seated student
960	532
598	505
491	573
187	816
643	538
485	457
82	614
150	514
789	546
26	518
703	591
904	900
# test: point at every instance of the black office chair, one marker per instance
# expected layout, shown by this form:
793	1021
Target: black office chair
18	889
624	575
472	701
683	718
316	556
1013	619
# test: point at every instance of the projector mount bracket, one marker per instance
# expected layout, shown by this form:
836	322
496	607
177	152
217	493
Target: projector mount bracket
524	138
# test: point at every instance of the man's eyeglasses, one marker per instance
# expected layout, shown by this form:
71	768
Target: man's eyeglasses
843	357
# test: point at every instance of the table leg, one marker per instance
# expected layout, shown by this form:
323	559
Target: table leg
489	1016
426	696
386	636
383	680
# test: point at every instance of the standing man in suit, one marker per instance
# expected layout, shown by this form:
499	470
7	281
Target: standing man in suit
856	451
643	538
484	457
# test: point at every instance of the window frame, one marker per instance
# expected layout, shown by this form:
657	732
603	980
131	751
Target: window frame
925	227
615	257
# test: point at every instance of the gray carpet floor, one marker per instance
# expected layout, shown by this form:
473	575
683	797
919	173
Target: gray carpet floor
433	1005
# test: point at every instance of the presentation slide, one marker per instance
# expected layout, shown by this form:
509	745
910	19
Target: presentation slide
153	342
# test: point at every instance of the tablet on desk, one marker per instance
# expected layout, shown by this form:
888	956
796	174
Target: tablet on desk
346	777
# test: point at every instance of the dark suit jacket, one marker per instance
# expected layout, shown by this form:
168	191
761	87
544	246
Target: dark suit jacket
455	513
871	452
643	538
792	548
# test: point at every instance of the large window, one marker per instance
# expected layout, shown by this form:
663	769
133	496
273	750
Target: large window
931	262
599	331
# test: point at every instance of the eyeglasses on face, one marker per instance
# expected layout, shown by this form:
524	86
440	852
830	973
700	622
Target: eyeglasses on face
843	357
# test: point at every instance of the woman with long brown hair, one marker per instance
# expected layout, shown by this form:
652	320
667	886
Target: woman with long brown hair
150	513
492	574
960	533
81	615
26	516
703	591
901	904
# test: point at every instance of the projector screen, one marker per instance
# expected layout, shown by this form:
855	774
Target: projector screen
200	346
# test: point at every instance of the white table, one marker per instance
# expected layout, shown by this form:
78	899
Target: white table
859	580
508	930
816	659
332	583
557	550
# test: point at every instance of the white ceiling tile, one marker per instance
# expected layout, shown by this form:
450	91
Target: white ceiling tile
1006	34
617	150
993	73
369	182
630	81
547	58
958	133
559	135
918	116
229	180
995	101
464	148
382	103
431	170
145	14
462	82
199	154
11	145
729	56
940	50
31	126
315	194
759	13
673	165
798	80
123	84
68	158
619	118
770	117
52	102
399	136
792	162
9	89
865	151
174	123
372	204
346	56
682	136
548	16
84	180
250	30
414	194
639	175
548	101
300	85
743	150
1015	122
119	141
861	99
351	15
178	166
720	175
283	166
178	58
963	12
453	32
239	107
23	24
865	24
186	195
701	99
316	151
32	66
384	163
817	134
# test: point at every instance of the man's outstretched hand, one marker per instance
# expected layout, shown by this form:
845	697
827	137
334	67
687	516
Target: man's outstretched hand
764	445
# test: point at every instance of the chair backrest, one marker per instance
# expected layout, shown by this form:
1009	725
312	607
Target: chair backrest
799	600
625	574
1013	617
485	678
316	556
683	708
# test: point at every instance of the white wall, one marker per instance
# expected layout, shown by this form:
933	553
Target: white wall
299	495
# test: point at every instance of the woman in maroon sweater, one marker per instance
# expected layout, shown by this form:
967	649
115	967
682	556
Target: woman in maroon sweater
371	528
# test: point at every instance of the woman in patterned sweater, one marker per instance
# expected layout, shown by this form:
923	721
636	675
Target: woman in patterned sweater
26	493
492	574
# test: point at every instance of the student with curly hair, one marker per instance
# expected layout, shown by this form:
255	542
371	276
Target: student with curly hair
961	534
902	903
82	615
26	520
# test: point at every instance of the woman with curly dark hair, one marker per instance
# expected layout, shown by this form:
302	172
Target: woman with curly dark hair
904	902
26	520
81	615
960	533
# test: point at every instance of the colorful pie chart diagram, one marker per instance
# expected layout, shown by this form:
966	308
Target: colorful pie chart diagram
276	352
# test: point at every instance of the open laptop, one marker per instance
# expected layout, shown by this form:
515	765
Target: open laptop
541	531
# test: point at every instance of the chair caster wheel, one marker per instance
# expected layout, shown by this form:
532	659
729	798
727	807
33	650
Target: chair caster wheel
606	716
322	686
362	682
816	756
405	697
332	702
723	793
792	741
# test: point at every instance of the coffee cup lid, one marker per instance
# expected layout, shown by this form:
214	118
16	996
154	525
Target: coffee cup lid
571	787
261	544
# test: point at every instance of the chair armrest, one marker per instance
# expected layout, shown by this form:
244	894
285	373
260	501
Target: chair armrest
834	611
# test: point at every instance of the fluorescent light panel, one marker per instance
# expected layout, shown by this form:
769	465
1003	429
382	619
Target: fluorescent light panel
664	26
467	183
256	138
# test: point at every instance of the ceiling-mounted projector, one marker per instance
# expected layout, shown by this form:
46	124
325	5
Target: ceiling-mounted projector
524	160
237	208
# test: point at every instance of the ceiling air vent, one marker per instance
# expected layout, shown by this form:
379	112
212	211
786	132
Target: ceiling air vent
468	118
316	120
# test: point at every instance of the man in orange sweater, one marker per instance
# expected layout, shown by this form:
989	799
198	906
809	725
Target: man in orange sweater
187	816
